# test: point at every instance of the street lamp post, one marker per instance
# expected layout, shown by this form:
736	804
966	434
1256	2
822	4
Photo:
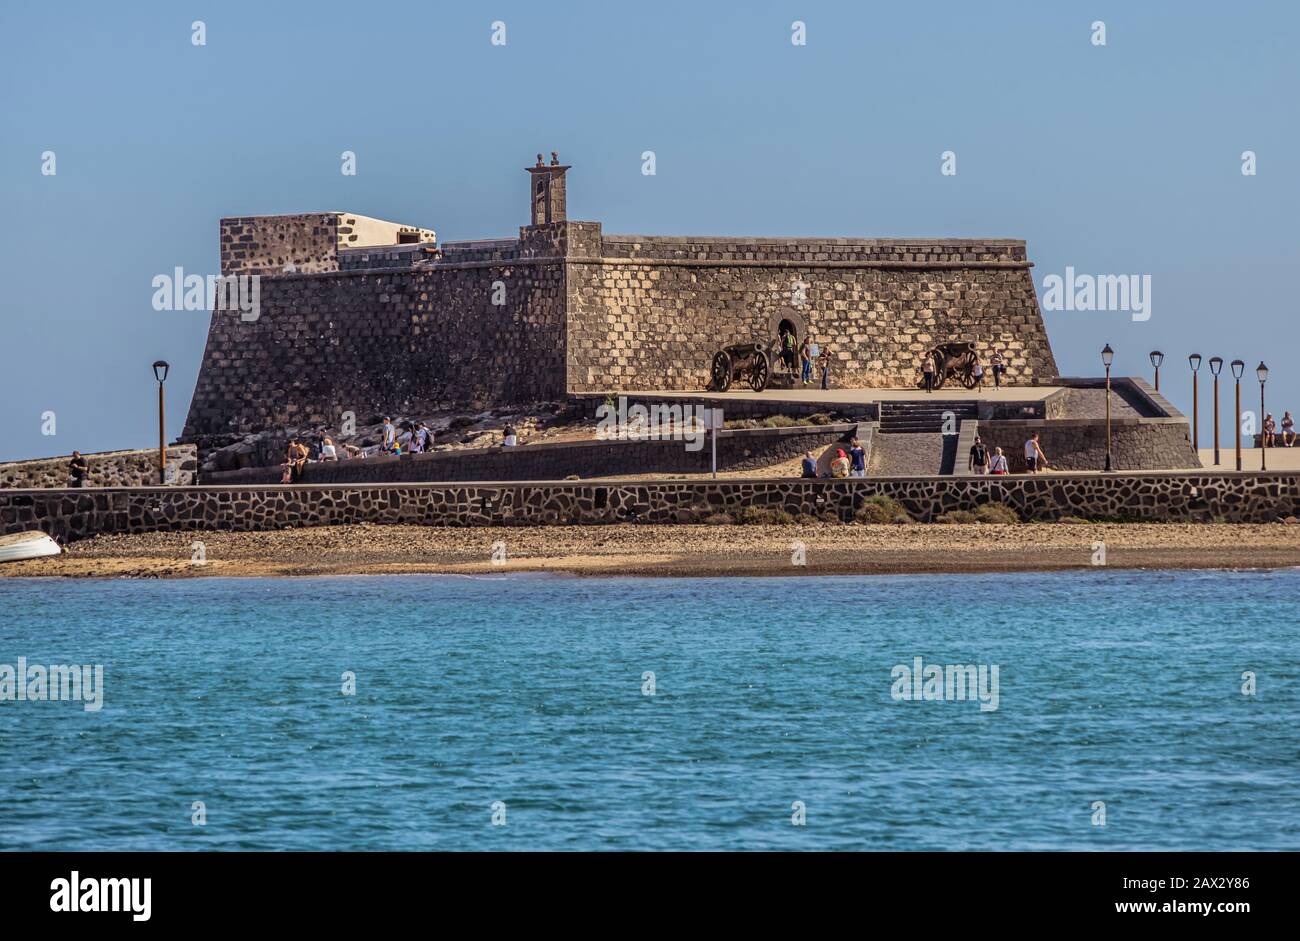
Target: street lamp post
1156	359
160	373
1238	367
1216	365
1261	372
1107	357
1195	362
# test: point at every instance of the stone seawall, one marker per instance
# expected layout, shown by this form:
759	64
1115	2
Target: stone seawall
739	449
105	469
76	514
1080	444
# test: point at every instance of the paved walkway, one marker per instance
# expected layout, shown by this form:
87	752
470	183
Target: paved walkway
1279	459
861	396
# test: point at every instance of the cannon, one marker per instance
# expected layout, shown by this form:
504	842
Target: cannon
741	362
954	361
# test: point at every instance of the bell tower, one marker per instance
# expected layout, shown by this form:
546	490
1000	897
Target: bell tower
547	184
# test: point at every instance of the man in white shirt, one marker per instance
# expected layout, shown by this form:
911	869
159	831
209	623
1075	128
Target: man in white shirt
1034	456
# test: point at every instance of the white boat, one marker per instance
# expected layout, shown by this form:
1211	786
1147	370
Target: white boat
32	545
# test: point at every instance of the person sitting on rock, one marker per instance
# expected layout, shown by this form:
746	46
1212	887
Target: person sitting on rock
1270	432
840	466
809	465
297	459
1288	430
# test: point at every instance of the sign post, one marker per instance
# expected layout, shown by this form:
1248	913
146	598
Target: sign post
715	422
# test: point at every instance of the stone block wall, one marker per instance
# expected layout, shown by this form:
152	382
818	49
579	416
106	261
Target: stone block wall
1080	444
309	241
651	313
105	469
69	515
738	449
378	341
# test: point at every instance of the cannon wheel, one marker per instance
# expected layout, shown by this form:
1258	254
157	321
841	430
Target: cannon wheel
762	370
940	370
721	371
965	367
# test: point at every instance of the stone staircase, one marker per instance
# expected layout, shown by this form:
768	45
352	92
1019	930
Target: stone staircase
919	417
911	440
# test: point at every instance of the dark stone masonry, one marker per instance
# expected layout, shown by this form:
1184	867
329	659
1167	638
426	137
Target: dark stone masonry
105	469
738	450
71	514
361	316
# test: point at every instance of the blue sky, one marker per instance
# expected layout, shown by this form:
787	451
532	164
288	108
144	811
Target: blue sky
1122	159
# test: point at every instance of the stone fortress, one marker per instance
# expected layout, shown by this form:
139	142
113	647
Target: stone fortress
374	317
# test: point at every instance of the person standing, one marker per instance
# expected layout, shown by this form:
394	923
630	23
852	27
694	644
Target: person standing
805	362
825	360
1034	456
999	367
978	461
998	463
978	370
927	372
77	468
857	459
390	436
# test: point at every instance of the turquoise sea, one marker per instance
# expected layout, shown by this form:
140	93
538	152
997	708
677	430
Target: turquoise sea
524	698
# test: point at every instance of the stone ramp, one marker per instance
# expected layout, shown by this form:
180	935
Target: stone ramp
911	454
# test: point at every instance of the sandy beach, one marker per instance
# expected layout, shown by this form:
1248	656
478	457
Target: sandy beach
828	549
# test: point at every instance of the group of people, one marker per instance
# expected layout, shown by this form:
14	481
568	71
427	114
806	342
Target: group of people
410	438
981	461
1288	431
997	365
851	463
809	353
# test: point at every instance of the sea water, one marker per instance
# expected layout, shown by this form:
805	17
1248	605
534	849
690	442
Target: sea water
1134	710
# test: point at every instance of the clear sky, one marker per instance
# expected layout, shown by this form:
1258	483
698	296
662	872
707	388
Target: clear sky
1115	159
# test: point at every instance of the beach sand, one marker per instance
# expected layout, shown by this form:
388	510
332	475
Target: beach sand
680	550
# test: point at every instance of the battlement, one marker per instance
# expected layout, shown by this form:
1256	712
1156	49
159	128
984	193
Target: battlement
308	242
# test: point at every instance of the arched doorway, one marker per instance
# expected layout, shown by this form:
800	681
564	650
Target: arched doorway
783	324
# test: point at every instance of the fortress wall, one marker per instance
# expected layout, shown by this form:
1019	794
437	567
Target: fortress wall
263	245
310	242
376	342
1205	496
742	248
655	321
